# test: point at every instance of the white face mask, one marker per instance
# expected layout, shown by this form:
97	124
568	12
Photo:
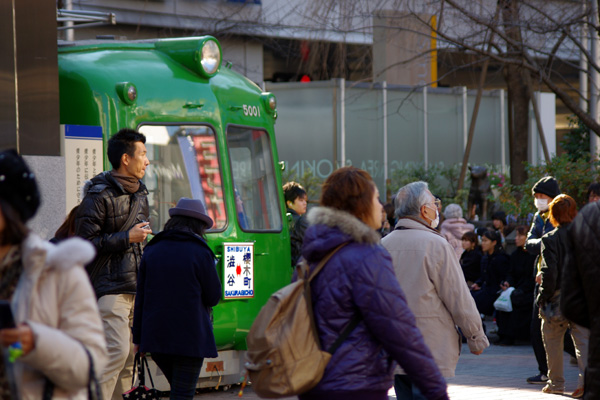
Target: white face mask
434	222
541	204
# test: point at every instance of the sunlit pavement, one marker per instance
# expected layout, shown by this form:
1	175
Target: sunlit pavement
500	373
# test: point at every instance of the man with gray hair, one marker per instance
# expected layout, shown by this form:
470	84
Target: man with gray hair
432	280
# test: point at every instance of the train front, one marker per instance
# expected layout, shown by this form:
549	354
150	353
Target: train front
210	136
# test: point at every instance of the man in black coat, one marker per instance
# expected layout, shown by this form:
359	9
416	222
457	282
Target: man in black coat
296	201
580	297
113	216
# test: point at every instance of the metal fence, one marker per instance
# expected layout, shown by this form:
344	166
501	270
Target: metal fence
380	128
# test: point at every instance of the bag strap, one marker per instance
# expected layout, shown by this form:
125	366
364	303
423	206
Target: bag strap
145	362
94	390
345	333
134	211
136	367
320	266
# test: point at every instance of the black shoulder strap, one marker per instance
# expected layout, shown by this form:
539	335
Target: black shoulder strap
134	210
94	391
145	362
345	333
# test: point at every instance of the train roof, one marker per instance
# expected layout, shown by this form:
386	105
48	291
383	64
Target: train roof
171	77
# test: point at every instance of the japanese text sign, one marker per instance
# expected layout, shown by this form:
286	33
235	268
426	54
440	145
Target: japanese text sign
238	270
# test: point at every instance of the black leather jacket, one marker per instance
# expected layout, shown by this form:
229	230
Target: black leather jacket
554	250
101	214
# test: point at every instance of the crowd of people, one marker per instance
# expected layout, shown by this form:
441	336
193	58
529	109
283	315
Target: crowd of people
418	279
453	272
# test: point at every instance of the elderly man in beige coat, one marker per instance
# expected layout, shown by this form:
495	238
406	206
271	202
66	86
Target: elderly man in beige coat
431	278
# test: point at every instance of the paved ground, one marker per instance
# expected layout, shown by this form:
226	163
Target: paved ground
498	374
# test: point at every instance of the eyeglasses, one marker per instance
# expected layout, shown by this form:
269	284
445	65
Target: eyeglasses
438	203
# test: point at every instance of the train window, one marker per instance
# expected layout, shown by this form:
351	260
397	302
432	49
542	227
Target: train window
183	163
255	186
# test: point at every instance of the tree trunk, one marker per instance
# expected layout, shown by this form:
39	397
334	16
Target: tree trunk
518	94
518	142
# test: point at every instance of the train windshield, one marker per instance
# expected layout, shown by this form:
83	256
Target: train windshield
183	163
255	186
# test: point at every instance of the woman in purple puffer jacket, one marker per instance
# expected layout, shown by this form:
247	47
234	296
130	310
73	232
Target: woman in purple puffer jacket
359	279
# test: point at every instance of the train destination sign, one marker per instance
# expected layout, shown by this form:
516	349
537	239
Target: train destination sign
238	270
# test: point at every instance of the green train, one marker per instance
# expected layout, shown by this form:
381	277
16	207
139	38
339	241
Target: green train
210	135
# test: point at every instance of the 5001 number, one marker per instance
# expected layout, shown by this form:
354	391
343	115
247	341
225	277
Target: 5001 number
251	111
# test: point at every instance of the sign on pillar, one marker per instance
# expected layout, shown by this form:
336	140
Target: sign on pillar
83	158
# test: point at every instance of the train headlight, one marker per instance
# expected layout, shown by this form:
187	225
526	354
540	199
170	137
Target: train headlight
210	59
202	54
127	92
270	102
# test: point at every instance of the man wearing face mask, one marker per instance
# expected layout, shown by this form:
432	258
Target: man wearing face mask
430	276
544	191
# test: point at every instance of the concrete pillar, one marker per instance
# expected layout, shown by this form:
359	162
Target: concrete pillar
403	49
29	113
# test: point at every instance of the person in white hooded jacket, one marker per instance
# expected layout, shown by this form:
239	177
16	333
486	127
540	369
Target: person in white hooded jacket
52	302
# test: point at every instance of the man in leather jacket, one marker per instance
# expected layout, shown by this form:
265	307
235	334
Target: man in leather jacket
113	216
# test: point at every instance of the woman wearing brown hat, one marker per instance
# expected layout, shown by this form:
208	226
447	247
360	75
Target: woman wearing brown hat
58	328
177	286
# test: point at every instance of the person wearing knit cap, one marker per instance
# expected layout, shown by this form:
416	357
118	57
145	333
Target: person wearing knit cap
454	227
57	334
544	191
113	215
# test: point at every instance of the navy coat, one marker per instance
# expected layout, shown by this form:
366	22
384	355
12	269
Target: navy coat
177	286
360	279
